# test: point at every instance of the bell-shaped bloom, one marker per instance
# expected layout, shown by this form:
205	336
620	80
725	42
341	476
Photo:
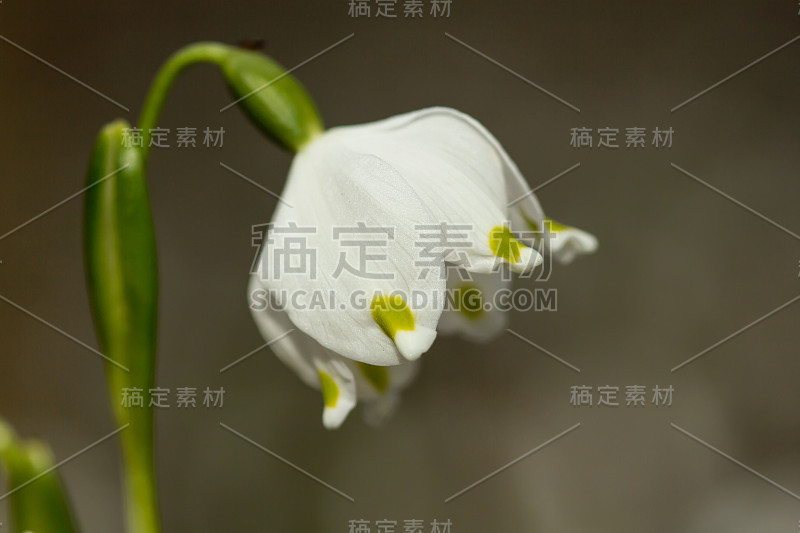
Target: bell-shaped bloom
377	218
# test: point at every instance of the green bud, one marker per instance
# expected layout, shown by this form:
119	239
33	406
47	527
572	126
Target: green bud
274	100
122	281
121	258
40	505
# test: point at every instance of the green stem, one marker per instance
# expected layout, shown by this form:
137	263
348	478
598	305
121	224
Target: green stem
141	496
138	446
203	52
121	248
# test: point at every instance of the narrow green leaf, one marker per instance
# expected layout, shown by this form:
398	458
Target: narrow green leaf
36	495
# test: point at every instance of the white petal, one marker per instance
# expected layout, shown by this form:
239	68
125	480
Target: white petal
458	170
413	343
317	366
306	357
293	348
521	204
331	186
566	243
476	316
338	390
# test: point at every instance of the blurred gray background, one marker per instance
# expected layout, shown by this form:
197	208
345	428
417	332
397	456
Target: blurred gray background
679	267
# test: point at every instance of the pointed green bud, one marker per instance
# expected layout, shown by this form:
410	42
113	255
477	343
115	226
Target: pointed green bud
273	99
38	501
122	281
121	256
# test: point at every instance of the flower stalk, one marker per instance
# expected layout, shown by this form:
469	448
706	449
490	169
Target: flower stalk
120	244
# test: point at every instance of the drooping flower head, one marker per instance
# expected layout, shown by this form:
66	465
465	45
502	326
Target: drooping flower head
390	216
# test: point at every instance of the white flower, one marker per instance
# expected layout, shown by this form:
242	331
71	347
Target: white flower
424	169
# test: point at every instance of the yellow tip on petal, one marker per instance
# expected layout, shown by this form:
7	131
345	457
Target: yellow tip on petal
504	244
396	320
392	314
554	226
330	391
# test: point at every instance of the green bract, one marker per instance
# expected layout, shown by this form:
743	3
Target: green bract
275	101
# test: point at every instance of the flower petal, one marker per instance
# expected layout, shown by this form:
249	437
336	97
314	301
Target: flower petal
338	390
317	366
342	381
293	348
566	243
475	315
392	314
382	405
458	170
350	205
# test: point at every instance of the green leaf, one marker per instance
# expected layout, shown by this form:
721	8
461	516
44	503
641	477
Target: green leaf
37	498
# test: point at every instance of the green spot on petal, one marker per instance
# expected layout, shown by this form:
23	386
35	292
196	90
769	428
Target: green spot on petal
392	314
470	301
330	391
504	245
378	376
555	226
551	225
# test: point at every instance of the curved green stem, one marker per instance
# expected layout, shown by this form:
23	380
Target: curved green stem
203	52
121	247
138	446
